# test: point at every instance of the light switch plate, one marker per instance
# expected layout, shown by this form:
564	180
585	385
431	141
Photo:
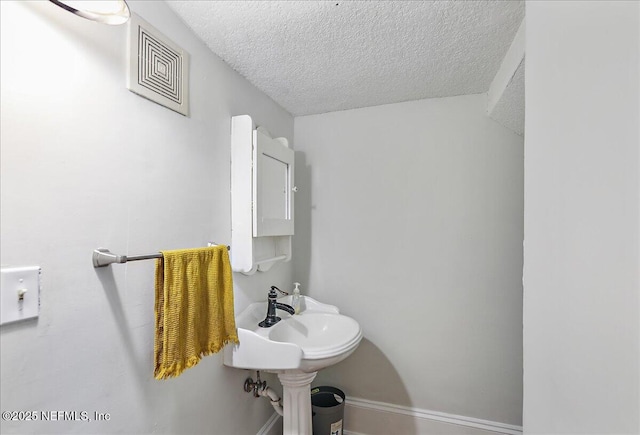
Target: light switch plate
19	293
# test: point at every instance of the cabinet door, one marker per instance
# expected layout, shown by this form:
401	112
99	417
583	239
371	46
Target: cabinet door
273	180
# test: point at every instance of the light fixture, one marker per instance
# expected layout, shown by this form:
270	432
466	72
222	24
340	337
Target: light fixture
108	12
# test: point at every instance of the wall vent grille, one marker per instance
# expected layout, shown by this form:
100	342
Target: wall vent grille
158	68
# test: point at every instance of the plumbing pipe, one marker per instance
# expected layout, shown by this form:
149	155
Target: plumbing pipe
273	397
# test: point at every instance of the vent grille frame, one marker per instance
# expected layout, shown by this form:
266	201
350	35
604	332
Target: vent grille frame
158	68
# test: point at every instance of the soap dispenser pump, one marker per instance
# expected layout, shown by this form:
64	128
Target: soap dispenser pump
295	300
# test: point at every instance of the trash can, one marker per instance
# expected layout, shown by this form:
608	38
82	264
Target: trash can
327	405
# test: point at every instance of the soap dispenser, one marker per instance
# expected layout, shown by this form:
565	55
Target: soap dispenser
295	300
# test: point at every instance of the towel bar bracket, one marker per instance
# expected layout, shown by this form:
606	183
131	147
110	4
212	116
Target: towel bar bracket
102	257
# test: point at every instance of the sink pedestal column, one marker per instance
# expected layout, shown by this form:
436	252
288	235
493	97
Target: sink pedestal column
296	402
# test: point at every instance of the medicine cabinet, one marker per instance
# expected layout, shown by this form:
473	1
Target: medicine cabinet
262	197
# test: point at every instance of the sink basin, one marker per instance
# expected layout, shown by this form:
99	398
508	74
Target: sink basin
314	339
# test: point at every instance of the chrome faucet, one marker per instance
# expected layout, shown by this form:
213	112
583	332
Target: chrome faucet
271	318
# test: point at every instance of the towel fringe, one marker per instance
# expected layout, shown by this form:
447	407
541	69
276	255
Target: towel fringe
178	367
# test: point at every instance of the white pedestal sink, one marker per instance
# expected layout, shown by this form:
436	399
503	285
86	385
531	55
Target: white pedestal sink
295	348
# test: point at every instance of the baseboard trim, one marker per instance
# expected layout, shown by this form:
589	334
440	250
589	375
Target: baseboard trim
269	425
425	414
417	413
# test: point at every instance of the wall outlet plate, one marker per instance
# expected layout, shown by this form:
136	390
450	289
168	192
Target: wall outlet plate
19	293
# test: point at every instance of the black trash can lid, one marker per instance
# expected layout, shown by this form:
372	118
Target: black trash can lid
326	397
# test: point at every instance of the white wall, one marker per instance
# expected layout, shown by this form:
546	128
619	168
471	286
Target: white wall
86	163
581	278
409	218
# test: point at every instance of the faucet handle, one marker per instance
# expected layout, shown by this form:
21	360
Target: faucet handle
274	288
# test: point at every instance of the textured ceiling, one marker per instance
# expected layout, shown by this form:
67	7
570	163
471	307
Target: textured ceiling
322	56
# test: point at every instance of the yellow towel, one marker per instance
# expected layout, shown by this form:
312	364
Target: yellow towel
194	308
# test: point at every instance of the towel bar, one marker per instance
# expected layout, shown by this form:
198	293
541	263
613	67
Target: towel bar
102	257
